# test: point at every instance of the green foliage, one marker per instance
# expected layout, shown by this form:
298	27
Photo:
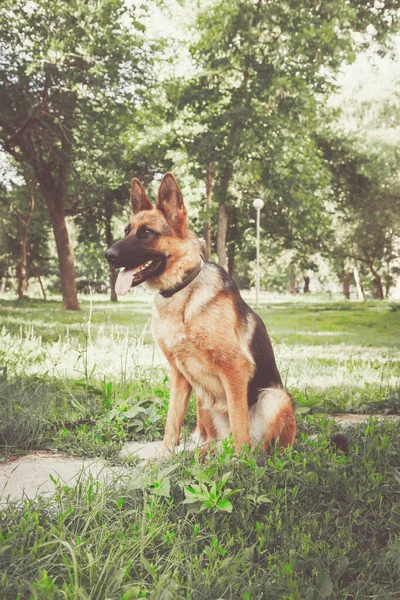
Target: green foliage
306	523
86	385
251	109
93	99
367	208
69	50
67	75
39	412
209	494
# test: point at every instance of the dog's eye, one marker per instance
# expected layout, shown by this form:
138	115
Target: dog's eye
127	229
146	232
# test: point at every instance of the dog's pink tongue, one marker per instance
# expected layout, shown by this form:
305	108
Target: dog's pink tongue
124	281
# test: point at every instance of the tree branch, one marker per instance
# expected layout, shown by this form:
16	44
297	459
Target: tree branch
16	134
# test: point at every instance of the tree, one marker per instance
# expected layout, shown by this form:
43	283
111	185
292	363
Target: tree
261	69
24	233
118	146
363	155
63	64
367	200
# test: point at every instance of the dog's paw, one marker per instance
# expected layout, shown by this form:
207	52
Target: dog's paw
196	440
164	451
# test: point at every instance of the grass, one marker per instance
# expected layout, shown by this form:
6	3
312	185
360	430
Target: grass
306	523
86	382
49	321
64	367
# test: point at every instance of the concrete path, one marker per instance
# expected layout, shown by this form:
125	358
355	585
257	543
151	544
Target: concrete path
148	450
27	476
351	419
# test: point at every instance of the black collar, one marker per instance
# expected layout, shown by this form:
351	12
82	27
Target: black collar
187	278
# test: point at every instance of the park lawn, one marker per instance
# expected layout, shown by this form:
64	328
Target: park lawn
51	322
371	324
305	523
309	320
86	382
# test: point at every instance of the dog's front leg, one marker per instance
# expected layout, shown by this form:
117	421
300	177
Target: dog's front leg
234	381
180	390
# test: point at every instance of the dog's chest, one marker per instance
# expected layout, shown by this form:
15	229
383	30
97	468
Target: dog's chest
189	347
179	340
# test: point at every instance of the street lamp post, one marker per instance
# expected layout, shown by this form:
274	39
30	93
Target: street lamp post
258	204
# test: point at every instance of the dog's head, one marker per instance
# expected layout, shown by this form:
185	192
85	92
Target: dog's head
152	237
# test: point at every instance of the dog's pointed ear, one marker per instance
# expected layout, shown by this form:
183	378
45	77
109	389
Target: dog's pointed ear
170	203
139	200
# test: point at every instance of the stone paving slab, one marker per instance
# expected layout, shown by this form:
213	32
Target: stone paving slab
149	450
29	475
352	419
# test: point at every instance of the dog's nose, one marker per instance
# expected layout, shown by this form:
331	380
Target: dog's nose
111	255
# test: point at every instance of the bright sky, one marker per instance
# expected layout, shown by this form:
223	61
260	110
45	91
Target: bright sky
382	73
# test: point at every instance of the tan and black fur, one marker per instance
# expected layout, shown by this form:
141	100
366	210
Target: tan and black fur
214	343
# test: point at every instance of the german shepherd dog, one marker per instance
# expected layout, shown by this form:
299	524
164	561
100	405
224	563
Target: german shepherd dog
214	343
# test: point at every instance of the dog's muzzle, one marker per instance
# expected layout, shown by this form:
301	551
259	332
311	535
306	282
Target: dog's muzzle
112	257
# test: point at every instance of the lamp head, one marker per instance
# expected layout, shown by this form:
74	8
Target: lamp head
258	204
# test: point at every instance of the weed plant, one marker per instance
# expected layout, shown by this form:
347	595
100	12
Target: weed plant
302	524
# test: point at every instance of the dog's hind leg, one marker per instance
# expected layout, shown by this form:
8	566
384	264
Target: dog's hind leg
201	429
205	424
272	417
211	425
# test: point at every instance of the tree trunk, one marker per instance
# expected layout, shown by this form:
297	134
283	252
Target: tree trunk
112	273
359	285
5	277
42	286
210	181
221	236
223	219
292	279
21	267
65	260
53	180
306	284
22	264
231	265
40	280
377	281
346	284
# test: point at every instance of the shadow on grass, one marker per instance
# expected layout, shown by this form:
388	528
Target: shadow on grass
78	417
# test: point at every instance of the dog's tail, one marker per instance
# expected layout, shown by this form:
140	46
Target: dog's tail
273	417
